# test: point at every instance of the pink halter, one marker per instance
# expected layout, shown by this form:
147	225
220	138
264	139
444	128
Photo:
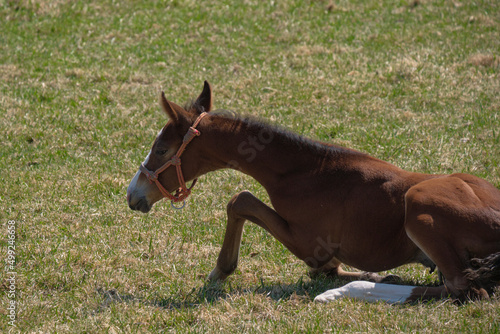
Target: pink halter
183	192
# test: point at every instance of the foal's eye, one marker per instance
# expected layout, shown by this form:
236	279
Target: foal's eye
161	152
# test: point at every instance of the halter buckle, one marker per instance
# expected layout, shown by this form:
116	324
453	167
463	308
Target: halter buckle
178	207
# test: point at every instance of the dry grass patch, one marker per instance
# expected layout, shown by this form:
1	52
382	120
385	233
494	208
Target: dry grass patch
485	60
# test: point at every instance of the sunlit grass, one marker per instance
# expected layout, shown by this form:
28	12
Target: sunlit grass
412	82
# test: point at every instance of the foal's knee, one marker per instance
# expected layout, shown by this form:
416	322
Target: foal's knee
239	202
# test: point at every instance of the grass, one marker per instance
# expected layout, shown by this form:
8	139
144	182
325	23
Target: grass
412	82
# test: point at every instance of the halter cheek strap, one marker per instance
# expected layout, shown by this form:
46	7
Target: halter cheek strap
183	192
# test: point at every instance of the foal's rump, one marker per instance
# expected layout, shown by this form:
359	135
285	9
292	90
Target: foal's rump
455	221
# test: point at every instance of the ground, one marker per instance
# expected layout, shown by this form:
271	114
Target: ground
412	82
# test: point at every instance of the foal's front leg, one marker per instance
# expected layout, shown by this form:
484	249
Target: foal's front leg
245	206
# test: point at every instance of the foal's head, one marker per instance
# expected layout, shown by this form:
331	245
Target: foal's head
143	193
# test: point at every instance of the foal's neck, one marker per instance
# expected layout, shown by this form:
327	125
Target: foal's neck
263	151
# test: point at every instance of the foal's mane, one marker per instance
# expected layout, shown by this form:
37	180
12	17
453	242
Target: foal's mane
194	106
279	133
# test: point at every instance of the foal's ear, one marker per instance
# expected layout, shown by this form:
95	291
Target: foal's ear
205	99
173	111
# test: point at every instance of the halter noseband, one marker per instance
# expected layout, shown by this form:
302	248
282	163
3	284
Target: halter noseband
183	192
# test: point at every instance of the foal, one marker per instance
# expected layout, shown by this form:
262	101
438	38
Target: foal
330	204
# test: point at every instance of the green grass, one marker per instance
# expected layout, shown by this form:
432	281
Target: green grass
415	83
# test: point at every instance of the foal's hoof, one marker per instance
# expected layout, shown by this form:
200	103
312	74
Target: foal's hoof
217	275
376	278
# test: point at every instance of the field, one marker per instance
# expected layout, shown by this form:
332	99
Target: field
416	83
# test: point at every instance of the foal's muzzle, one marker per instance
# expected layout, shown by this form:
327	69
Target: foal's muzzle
140	205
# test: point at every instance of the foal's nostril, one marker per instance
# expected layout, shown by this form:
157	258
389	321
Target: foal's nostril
140	205
132	203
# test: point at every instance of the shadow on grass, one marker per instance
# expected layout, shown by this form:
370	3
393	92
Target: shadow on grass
211	293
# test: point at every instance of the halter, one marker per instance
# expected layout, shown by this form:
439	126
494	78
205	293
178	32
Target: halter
183	192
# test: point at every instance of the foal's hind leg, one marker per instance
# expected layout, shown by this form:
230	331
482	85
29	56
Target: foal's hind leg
245	206
333	269
442	219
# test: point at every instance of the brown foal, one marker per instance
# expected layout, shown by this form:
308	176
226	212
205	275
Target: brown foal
330	204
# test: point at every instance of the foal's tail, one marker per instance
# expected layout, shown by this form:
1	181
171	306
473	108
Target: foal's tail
484	273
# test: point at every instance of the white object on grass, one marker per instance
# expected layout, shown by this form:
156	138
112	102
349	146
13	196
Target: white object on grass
368	291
